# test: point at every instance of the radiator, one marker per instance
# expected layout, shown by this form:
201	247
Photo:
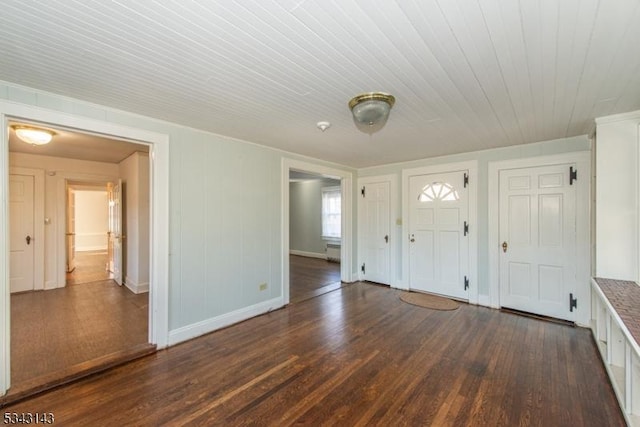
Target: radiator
333	252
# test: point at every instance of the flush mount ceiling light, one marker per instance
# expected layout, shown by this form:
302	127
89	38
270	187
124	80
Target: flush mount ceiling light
371	110
33	136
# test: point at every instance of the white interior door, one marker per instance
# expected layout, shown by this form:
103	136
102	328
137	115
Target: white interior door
375	232
71	230
21	226
115	230
438	234
537	227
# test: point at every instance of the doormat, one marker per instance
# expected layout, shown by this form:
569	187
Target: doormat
429	301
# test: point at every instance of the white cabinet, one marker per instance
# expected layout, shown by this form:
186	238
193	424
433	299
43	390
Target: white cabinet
618	348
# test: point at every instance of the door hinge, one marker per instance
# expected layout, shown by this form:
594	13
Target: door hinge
466	228
573	302
362	268
466	283
362	191
573	175
466	179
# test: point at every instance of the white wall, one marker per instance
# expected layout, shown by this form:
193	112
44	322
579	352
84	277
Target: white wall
92	220
617	190
57	172
224	212
134	172
579	143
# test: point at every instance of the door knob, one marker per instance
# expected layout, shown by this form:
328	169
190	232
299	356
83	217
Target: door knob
28	240
412	239
386	238
504	246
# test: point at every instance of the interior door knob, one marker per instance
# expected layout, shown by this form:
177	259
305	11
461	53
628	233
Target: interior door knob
412	239
504	246
386	238
28	240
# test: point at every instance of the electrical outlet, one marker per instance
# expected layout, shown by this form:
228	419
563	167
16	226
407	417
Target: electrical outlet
263	286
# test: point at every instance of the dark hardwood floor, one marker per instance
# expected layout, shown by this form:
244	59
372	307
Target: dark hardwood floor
59	334
356	356
310	277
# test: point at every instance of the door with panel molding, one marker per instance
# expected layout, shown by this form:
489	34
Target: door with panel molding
21	230
375	232
71	230
115	233
438	234
537	228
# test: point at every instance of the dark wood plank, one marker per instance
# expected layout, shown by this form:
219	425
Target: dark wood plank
355	356
310	277
29	388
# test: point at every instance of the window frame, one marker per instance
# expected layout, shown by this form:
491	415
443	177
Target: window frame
327	192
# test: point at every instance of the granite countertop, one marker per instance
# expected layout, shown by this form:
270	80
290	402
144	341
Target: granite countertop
624	296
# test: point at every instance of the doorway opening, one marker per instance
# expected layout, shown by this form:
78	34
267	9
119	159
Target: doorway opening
87	236
77	317
315	238
305	246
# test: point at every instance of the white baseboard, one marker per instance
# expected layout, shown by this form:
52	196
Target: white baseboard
400	285
209	325
136	288
484	300
308	254
51	285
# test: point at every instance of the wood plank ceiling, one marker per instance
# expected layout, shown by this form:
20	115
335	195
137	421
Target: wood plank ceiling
467	74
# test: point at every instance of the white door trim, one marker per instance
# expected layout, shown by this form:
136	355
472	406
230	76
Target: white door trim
472	167
582	159
393	212
38	222
346	184
159	145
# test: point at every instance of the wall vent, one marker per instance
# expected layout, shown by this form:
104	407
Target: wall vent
333	252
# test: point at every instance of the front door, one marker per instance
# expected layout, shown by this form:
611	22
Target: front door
375	232
438	234
21	226
537	223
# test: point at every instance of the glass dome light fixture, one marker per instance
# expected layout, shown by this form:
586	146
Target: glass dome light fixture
371	110
33	136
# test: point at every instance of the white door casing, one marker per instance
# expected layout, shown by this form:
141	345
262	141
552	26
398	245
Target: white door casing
537	229
581	267
438	229
22	240
375	237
